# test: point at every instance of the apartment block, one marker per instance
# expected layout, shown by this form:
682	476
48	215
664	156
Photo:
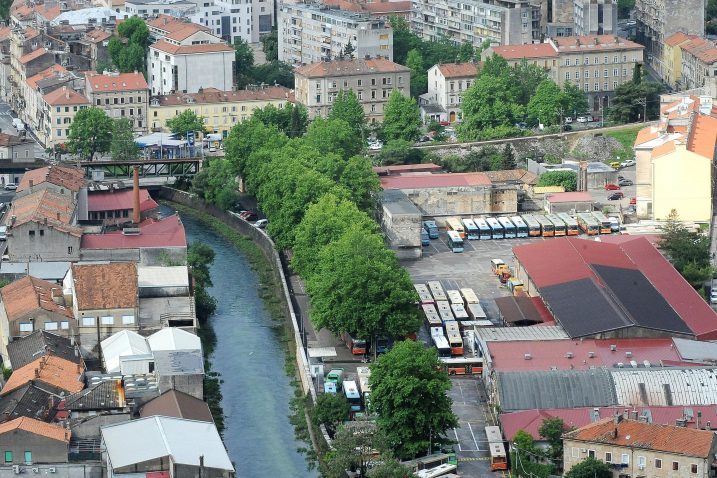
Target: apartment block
123	95
309	34
672	59
595	17
698	65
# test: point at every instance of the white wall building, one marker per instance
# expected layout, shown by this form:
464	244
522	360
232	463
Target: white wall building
446	84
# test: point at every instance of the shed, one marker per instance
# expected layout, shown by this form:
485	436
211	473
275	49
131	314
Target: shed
126	352
401	222
156	281
571	202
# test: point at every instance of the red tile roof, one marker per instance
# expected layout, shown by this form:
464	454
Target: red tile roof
646	134
646	436
65	96
62	176
165	46
185	32
407	168
703	136
349	68
576	196
704	50
169	24
33	55
593	43
36	427
118	200
49	369
111	83
214	96
677	38
30	294
458	70
387	7
44	207
440	180
663	149
49	11
167	232
5	33
96	36
10	140
531	51
105	286
51	71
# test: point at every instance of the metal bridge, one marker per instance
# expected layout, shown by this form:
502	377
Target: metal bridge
153	168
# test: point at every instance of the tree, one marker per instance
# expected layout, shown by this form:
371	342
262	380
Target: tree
346	107
508	158
274	72
399	151
566	179
348	51
334	136
331	410
546	104
635	99
574	101
389	468
90	133
243	62
184	122
361	181
270	46
489	103
466	53
552	430
419	75
527	77
402	39
291	119
688	251
128	52
360	288
523	457
355	446
624	7
199	257
123	147
5	9
409	393
401	119
589	468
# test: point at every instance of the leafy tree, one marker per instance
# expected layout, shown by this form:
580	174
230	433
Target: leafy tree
399	151
199	257
348	51
184	122
354	448
270	46
523	458
508	161
409	393
589	468
624	7
248	138
574	101
635	98
346	107
215	184
331	410
402	120
552	430
334	135
403	39
496	65
545	105
419	75
90	133
466	53
291	119
123	147
361	181
5	9
128	51
359	287
274	72
566	179
527	78
389	468
135	30
490	102
243	62
104	65
688	251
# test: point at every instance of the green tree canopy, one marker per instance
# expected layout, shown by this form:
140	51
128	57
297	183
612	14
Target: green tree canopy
346	107
489	103
334	136
508	160
128	52
331	409
589	468
574	100
688	251
199	257
243	62
90	133
525	456
359	178
401	118
566	179
123	147
635	98
552	430
291	119
355	447
528	78
409	393
186	121
248	138
419	74
215	184
274	72
546	104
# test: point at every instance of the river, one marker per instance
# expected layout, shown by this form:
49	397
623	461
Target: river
250	356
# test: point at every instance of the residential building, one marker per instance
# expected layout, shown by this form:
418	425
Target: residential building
18	149
699	65
642	449
104	397
36	87
544	55
595	17
59	109
446	84
310	34
54	178
124	95
33	400
558	18
189	59
94	43
115	207
26	349
28	441
473	21
51	370
659	19
672	59
177	404
373	81
221	109
164	25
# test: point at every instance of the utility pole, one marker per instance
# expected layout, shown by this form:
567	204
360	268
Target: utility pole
643	102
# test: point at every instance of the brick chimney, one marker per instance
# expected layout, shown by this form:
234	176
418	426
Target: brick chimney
135	195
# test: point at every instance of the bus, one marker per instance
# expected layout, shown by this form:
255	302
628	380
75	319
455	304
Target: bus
437	471
454	297
469	296
445	312
437	290
459	311
462	365
431	228
533	225
508	227
498	458
453	333
455	224
495	227
471	229
521	228
547	227
484	231
432	317
455	242
352	395
588	223
364	373
441	344
560	227
605	224
424	295
356	346
430	463
476	312
570	223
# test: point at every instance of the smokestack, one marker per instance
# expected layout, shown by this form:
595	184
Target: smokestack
135	194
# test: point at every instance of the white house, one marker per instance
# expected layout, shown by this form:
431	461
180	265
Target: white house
446	84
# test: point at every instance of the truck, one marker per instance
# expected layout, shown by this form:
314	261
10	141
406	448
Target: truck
515	285
500	269
431	228
334	380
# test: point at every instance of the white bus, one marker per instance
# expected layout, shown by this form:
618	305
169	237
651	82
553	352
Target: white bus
352	395
521	228
437	290
471	229
364	373
453	333
437	471
476	312
498	458
424	295
432	317
469	296
484	231
570	223
454	297
455	241
495	227
462	365
533	225
454	224
548	228
509	230
445	311
561	229
459	311
442	345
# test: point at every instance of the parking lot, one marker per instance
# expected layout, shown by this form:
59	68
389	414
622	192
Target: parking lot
600	195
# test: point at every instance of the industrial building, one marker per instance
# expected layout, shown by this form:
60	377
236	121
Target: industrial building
401	222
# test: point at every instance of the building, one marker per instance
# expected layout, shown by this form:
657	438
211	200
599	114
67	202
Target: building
373	81
32	400
522	311
672	59
498	22
625	289
127	353
189	59
59	109
159	444
654	26
402	224
571	202
642	449
446	84
124	95
221	109
180	405
18	149
115	207
54	178
595	17
310	34
40	343
51	370
698	67
178	361
28	441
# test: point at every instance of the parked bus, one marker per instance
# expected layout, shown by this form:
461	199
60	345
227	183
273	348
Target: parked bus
547	228
570	223
455	242
441	344
453	333
498	458
431	228
356	346
459	311
445	312
437	290
455	224
469	296
364	373
521	228
437	471
605	224
560	227
352	395
533	225
424	295
484	231
462	365
454	297
430	462
432	317
476	312
588	223
509	230
495	228
471	229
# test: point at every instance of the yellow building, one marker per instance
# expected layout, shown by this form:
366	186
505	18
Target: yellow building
221	109
672	58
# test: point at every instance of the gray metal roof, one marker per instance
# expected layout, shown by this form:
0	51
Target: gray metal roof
511	334
555	389
676	386
396	202
178	362
50	271
694	350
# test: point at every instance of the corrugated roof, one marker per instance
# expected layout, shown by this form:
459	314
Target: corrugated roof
697	351
439	180
23	350
106	395
124	343
118	200
36	427
174	403
646	436
167	232
670	386
512	334
150	438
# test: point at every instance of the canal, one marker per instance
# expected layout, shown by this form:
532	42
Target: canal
249	355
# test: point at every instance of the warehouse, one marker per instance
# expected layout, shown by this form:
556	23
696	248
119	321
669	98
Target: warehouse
401	222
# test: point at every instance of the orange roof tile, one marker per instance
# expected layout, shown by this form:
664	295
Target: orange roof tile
65	96
647	436
105	286
22	11
185	32
458	70
594	42
49	11
122	82
30	294
646	134
387	7
518	52
62	176
663	149
50	369
165	46
213	96
52	71
677	38
5	33
168	24
33	55
96	36
36	427
29	33
349	67
703	136
704	50
44	207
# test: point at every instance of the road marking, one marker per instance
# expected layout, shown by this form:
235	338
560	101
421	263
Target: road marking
474	437
455	432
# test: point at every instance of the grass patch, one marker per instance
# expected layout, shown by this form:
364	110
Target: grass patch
626	137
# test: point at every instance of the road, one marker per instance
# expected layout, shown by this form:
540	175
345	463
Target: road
6	117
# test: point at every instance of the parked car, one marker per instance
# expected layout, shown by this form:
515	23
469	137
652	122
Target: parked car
620	178
713	298
3	234
375	145
568	120
567	127
611	187
445	123
630	210
633	201
615	196
249	216
10	187
582	119
261	223
628	163
625	182
521	125
425	139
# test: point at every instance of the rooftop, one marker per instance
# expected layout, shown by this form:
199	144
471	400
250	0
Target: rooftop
406	168
677	38
524	309
96	36
36	427
173	403
172	49
33	55
125	343
61	176
49	369
106	395
576	196
169	24
512	334
105	286
439	180
29	294
44	207
532	51
166	232
65	96
97	83
215	96
46	73
349	68
161	276
397	202
34	400
456	70
593	43
702	138
119	200
23	350
702	49
512	176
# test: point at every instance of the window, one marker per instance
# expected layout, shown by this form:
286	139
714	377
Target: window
50	325
615	72
69	250
567	75
567	62
614	85
604	86
587	74
318	98
658	463
360	95
597	74
591	453
575	452
127	319
360	82
28	458
32	233
625	459
586	87
59	132
605	60
608	457
641	461
586	61
88	321
25	326
675	466
597	86
614	59
693	468
8	457
107	320
577	75
64	325
604	73
373	81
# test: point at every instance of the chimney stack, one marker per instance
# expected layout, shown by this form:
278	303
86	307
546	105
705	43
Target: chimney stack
135	194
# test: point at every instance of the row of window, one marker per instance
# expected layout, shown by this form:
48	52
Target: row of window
117	100
596	60
596	86
641	461
596	73
106	320
27	456
29	327
386	80
58	109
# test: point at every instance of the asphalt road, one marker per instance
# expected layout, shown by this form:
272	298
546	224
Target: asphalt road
6	127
